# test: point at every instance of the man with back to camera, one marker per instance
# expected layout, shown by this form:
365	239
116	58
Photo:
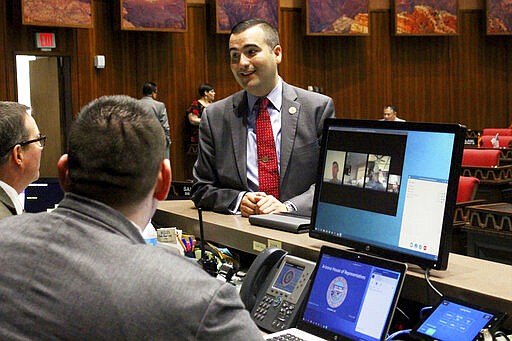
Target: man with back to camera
150	94
21	148
227	168
84	272
389	114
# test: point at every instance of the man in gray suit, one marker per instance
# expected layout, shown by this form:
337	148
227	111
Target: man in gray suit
150	94
21	145
226	170
83	271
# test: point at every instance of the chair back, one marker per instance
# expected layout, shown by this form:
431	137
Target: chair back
494	131
468	186
481	157
504	141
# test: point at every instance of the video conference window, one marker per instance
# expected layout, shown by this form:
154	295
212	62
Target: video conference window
377	172
364	172
334	166
394	183
355	168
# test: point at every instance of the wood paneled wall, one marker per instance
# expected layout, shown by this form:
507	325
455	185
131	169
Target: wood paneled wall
464	78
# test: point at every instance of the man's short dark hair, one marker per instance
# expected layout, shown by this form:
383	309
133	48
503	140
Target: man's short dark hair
148	88
271	35
115	150
204	88
12	126
390	107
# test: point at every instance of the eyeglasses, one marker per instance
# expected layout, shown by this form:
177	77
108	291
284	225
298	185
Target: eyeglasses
41	139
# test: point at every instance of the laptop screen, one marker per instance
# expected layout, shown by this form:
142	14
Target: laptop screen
352	295
389	188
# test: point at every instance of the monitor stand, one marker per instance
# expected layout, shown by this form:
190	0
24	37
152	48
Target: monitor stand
433	273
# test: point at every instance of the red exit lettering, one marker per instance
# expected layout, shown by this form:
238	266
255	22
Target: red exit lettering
46	40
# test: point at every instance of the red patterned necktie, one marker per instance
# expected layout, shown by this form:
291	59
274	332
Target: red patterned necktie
268	172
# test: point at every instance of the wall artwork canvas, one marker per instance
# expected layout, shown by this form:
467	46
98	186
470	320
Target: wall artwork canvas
154	15
426	17
65	13
499	17
231	12
337	17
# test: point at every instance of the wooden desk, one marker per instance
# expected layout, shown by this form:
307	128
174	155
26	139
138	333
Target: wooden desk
495	182
485	283
489	232
492	175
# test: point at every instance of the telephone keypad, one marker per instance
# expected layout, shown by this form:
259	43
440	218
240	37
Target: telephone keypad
282	311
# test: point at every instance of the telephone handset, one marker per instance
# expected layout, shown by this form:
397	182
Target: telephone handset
257	274
275	287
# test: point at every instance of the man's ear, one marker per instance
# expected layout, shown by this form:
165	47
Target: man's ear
17	154
163	180
62	168
278	53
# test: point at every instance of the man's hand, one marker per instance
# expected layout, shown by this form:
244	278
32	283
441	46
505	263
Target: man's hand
249	203
260	203
270	204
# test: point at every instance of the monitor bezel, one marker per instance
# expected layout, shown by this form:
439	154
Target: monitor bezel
441	261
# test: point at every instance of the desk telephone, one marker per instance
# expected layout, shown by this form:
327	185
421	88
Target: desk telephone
275	287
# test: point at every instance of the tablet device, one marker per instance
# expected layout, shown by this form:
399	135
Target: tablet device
455	320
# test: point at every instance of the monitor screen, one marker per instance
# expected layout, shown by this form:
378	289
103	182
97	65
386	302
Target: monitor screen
389	188
42	194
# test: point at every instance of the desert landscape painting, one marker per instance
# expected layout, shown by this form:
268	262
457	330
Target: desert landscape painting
424	17
67	13
499	16
337	17
154	15
231	12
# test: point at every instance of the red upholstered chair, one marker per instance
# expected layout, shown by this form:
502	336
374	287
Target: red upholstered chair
494	131
481	157
468	186
503	140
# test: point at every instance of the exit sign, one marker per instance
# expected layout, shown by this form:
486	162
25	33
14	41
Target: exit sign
45	41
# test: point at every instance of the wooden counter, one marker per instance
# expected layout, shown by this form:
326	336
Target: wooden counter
485	283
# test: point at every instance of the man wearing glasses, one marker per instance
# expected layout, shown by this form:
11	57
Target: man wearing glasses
21	145
84	272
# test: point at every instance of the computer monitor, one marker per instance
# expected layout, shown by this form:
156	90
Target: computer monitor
389	188
42	194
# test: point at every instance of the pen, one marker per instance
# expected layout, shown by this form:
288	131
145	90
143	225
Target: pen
181	243
186	243
191	244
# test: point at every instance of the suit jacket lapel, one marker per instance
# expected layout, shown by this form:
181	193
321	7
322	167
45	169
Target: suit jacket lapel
238	124
4	198
289	121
